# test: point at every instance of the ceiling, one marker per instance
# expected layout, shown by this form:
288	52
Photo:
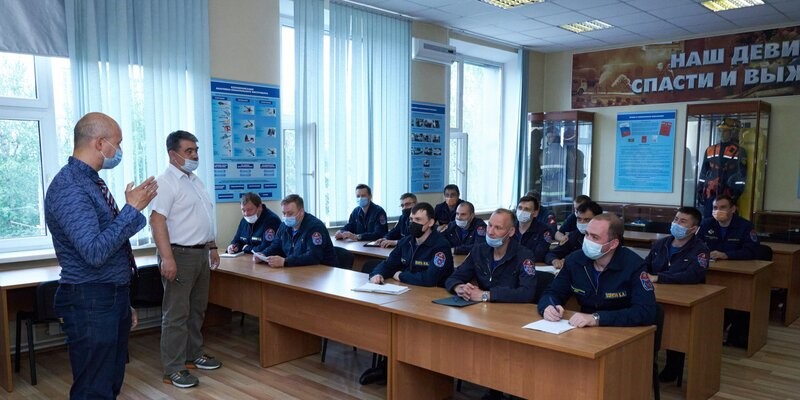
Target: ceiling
535	26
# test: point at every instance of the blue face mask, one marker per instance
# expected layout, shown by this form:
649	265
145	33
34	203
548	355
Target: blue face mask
678	231
112	162
362	201
189	165
494	242
290	222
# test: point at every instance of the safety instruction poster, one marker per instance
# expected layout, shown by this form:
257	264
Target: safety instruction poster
645	149
247	140
427	147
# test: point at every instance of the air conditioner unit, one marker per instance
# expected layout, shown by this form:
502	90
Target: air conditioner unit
437	53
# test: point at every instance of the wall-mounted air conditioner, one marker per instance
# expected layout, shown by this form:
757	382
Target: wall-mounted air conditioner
424	50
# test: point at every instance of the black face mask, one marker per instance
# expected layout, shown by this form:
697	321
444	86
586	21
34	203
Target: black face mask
406	212
415	229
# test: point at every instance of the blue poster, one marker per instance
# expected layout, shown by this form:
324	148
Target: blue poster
247	140
427	147
645	149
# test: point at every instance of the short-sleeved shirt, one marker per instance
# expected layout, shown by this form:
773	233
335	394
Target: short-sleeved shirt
183	200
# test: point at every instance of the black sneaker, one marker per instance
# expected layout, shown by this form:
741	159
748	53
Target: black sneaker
203	362
182	379
373	375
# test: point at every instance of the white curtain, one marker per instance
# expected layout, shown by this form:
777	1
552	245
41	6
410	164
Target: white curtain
353	84
146	64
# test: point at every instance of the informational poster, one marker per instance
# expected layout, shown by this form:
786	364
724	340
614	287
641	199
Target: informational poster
645	149
427	147
247	140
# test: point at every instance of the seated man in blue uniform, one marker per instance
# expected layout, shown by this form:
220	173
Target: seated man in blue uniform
400	230
608	280
258	223
422	258
574	242
570	223
445	212
546	215
466	230
679	258
367	221
302	239
503	268
531	232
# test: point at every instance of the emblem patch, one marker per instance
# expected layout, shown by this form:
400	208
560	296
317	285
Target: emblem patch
753	236
269	235
702	259
646	283
439	259
527	265
481	231
316	238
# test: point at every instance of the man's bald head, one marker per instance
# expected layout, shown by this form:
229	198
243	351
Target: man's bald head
93	125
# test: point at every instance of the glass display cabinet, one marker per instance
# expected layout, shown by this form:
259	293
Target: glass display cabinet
557	158
726	153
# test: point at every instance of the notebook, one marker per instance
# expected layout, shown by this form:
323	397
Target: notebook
386	288
550	327
454	301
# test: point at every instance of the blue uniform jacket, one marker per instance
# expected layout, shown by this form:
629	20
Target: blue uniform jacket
400	229
443	214
622	296
570	224
249	236
462	240
513	280
310	244
739	243
427	264
371	226
547	217
537	239
687	265
574	242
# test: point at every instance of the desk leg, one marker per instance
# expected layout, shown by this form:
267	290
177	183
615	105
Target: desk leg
6	377
793	290
759	314
704	356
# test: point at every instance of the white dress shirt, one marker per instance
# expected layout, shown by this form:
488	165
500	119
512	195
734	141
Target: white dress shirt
183	200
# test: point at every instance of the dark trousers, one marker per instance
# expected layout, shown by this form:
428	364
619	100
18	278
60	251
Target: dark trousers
97	321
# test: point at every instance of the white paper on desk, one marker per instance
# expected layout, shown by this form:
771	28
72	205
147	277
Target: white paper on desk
547	268
550	327
386	288
260	256
229	255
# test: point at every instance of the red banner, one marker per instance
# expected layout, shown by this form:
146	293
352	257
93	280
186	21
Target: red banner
744	65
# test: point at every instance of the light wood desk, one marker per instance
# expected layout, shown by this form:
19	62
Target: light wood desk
786	275
642	239
693	325
485	343
748	283
17	292
363	254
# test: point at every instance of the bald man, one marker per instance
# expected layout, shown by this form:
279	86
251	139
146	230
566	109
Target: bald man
91	239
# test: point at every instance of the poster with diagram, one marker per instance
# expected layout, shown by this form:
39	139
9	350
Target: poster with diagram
645	151
247	140
428	137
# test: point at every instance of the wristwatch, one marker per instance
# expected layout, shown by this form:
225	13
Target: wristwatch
596	317
485	296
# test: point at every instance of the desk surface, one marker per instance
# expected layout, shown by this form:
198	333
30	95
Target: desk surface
644	236
747	267
27	277
783	248
378	252
686	295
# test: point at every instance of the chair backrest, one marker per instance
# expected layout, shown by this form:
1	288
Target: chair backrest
45	298
543	280
345	258
764	252
147	290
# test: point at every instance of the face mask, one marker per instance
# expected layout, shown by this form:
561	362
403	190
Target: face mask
582	228
523	216
290	222
189	165
406	212
362	201
719	215
494	242
416	230
680	232
112	162
461	224
593	250
251	218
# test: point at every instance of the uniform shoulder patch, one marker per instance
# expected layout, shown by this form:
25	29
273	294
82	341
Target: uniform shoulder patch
702	260
439	259
551	219
269	235
527	266
753	236
316	238
646	283
382	219
481	231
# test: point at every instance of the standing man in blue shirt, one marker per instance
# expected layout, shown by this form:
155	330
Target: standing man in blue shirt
466	230
91	239
258	224
400	230
367	221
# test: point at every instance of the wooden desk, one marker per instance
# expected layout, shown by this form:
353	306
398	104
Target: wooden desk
17	292
693	325
786	275
642	239
485	344
748	284
363	254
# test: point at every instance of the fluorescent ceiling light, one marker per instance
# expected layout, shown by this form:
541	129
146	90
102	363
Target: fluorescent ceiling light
581	27
510	3
725	5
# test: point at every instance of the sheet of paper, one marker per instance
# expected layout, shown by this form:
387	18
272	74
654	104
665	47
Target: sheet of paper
229	255
550	327
386	288
260	256
547	268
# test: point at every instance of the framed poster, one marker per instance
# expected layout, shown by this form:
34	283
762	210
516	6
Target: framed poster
645	149
427	153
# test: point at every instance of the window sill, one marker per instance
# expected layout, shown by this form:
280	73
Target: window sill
48	254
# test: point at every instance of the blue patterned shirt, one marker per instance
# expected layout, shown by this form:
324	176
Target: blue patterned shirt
88	240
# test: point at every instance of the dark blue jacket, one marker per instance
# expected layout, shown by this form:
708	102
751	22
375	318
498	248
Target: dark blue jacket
371	226
574	242
570	224
537	239
547	217
443	214
687	265
739	243
462	240
427	264
513	280
249	236
400	229
310	244
623	295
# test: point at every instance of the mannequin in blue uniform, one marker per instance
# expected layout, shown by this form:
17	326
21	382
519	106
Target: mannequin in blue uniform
258	223
400	230
530	232
466	230
367	221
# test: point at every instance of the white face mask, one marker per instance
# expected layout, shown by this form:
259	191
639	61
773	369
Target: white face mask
593	250
461	224
523	216
251	218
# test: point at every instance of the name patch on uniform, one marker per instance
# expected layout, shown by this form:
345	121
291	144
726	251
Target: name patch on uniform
481	231
382	219
646	283
616	295
439	259
421	263
577	290
269	235
316	238
702	260
527	266
753	235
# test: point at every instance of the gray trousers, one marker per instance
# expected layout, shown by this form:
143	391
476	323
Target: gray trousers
184	308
